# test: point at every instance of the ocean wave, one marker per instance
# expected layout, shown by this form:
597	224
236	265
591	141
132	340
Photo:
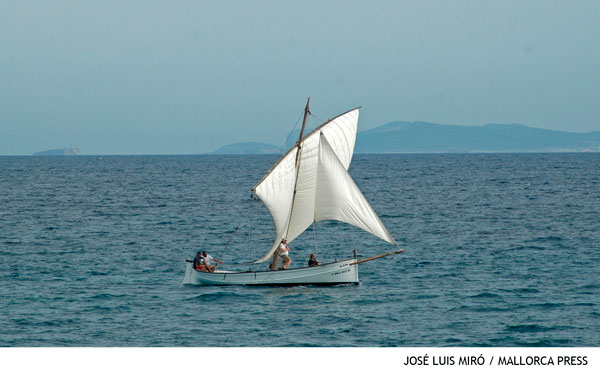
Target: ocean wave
528	328
486	295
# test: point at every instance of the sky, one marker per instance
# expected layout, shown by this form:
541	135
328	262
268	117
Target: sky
187	77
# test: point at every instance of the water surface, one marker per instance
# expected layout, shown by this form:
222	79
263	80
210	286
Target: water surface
501	250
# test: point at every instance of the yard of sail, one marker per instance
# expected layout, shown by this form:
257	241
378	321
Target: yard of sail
313	200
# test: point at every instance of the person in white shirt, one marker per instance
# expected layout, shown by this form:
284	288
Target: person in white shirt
284	252
208	259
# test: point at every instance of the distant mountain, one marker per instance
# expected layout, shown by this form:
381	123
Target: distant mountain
405	137
247	148
59	152
421	137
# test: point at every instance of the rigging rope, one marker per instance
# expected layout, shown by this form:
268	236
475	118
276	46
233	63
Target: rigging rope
254	214
318	120
290	134
231	238
315	237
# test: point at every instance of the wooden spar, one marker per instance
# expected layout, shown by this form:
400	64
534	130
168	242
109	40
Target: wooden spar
275	260
298	144
306	112
273	265
376	257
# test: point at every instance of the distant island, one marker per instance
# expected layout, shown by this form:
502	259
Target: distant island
247	148
422	137
67	151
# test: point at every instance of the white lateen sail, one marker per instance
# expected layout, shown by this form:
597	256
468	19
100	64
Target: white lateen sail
309	183
324	189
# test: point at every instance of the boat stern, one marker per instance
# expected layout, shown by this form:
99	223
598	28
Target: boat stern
189	273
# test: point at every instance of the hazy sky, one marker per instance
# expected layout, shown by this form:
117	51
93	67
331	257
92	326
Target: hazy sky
186	77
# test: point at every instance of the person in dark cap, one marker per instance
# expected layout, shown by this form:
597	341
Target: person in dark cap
199	263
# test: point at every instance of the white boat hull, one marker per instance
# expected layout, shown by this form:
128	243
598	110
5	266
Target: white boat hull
326	274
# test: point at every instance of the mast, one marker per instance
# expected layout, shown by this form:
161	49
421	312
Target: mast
273	265
298	144
276	187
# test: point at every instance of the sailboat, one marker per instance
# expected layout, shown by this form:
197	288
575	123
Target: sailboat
310	183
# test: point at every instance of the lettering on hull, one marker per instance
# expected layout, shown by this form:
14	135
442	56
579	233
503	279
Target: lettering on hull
341	272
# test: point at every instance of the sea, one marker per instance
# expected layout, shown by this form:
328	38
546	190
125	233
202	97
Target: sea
502	250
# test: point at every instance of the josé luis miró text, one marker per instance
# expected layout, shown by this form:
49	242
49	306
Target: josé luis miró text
474	360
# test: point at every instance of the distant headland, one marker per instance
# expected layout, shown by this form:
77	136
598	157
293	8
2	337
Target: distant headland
421	137
247	148
67	151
